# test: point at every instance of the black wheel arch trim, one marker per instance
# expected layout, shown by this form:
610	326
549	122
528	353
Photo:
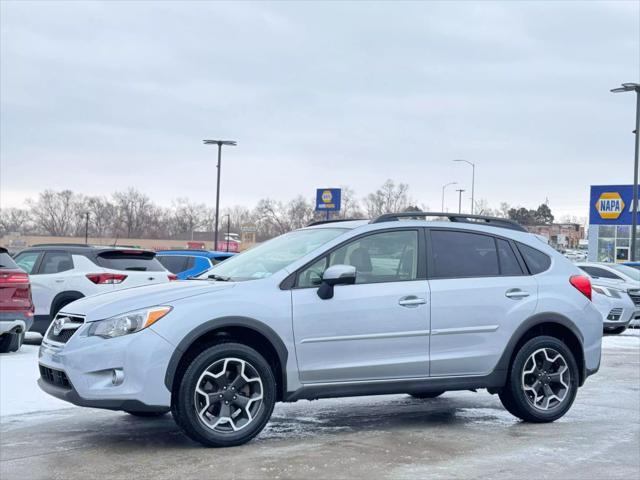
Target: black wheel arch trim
223	322
533	321
71	295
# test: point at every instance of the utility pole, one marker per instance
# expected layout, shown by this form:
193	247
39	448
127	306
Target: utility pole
219	143
634	87
86	228
460	190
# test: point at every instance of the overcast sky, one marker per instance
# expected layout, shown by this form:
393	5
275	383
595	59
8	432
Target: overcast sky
96	97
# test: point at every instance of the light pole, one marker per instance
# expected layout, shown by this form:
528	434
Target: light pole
228	229
634	87
219	143
460	190
473	181
443	187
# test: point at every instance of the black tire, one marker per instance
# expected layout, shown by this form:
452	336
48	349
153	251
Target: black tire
147	414
615	331
515	399
6	340
425	395
11	342
183	406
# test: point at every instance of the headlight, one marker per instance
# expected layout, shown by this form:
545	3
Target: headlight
608	291
126	323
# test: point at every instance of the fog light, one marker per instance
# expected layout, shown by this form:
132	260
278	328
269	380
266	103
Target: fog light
117	377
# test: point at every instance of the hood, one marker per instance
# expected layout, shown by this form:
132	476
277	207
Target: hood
105	305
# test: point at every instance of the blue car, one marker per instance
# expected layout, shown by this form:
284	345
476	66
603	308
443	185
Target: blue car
633	264
189	263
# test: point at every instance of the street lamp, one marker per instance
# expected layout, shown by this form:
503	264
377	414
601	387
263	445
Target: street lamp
634	87
473	181
219	143
228	230
460	190
443	187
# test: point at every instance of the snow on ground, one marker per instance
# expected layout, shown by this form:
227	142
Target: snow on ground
20	394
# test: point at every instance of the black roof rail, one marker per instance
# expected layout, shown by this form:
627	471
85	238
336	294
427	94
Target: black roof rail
84	245
322	222
454	217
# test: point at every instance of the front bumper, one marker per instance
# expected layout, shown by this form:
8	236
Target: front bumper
88	363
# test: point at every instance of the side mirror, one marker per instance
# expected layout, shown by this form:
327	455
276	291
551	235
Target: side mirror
336	275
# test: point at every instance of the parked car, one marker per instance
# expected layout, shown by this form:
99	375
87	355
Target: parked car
337	309
190	263
16	307
615	306
635	265
62	273
618	276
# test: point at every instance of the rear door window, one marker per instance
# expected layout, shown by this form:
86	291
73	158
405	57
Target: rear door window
463	254
130	261
174	263
27	261
537	262
55	262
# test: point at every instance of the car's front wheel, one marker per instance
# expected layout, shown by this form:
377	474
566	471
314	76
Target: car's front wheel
543	381
225	396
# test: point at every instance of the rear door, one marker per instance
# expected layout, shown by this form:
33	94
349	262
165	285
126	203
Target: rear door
51	278
479	295
139	267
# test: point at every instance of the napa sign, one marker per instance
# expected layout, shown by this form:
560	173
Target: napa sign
611	204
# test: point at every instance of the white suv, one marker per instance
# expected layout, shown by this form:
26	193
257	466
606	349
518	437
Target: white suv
337	309
62	273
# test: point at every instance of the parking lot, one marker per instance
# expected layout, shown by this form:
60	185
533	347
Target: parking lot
462	434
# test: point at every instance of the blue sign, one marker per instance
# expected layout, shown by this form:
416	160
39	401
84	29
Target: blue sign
611	205
328	199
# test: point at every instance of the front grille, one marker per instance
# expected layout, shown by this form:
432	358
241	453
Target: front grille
635	296
68	325
614	314
55	377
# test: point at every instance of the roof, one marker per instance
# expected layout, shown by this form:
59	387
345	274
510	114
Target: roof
195	252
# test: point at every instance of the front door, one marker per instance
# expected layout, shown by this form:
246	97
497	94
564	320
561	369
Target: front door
376	329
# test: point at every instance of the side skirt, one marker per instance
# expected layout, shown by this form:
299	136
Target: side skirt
495	380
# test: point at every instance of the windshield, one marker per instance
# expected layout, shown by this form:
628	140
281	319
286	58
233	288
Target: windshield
272	256
628	271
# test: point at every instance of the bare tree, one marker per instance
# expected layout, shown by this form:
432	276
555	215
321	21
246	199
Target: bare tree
350	206
133	209
389	198
187	217
55	212
15	220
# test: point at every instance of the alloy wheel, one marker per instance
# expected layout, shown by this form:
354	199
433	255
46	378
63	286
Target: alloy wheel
546	379
228	395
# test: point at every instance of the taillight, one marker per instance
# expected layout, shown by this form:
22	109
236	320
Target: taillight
106	278
14	277
582	283
172	277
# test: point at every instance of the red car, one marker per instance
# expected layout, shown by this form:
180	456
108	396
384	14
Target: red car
16	306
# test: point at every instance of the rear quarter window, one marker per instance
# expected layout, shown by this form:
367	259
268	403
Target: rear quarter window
6	261
134	261
537	262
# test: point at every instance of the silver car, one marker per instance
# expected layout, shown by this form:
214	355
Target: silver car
393	305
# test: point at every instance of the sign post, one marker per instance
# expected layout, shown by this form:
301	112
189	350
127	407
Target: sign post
328	200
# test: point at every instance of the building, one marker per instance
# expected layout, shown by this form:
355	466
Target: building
610	217
559	235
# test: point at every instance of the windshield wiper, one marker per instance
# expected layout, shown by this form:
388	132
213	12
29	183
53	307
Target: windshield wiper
219	278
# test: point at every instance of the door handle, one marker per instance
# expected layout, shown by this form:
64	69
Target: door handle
411	301
516	293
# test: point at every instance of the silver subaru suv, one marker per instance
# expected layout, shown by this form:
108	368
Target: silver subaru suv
393	305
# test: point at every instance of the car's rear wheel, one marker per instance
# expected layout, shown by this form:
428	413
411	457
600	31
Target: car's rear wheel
543	381
226	396
11	342
425	395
